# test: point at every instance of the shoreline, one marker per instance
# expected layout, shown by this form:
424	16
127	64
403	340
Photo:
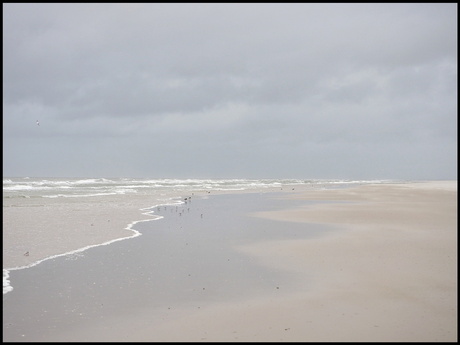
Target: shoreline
83	222
114	215
110	215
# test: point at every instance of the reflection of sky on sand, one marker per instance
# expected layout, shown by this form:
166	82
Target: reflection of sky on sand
185	259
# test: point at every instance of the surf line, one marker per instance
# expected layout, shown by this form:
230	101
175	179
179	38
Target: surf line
7	287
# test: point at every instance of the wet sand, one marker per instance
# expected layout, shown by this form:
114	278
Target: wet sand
379	263
388	274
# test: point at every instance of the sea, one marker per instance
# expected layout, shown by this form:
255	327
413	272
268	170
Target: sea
26	187
168	192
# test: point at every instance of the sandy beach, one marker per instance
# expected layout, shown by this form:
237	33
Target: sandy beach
390	275
369	263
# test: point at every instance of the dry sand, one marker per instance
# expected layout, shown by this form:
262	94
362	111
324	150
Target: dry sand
390	274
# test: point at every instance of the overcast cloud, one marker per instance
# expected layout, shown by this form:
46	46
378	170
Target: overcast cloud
358	91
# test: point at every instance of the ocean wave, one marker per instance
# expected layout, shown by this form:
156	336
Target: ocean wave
90	187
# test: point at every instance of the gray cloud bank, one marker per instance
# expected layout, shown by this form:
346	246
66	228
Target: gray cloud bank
230	90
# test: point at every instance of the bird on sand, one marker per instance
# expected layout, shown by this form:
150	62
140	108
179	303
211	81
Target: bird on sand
38	123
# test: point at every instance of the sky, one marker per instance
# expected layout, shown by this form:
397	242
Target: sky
188	90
